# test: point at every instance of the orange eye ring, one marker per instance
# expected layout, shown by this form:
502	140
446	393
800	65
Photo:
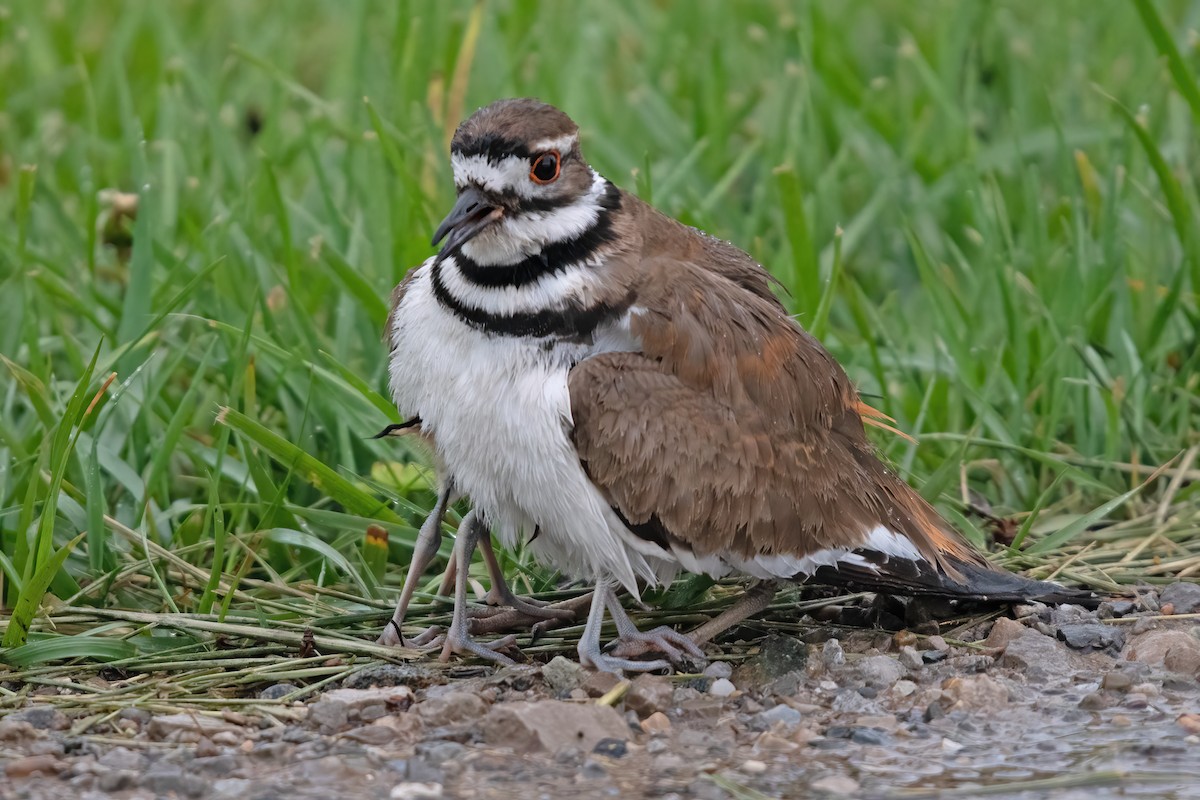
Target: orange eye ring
545	168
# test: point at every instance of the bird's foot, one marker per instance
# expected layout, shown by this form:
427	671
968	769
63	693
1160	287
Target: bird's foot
502	598
665	640
600	661
497	620
460	642
391	636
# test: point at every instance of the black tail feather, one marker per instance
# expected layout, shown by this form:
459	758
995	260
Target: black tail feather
980	584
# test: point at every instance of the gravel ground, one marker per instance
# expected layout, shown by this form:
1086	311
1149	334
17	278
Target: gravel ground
1095	708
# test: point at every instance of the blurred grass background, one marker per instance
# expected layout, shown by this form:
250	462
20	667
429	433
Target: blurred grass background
986	210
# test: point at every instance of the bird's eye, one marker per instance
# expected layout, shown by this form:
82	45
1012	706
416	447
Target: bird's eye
545	168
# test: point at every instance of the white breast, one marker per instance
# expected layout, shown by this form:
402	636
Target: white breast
499	411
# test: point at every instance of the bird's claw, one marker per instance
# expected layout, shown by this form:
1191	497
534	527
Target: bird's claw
665	640
462	644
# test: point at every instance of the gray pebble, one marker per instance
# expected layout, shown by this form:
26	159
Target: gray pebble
780	714
1184	596
277	691
718	669
1092	636
832	654
909	657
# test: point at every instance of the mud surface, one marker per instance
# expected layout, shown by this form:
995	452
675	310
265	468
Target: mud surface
1060	703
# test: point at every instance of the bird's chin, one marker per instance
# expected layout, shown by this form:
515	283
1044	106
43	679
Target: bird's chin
494	246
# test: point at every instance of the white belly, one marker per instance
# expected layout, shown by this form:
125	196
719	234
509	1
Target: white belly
499	410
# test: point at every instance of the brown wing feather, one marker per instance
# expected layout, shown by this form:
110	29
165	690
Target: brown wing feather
740	431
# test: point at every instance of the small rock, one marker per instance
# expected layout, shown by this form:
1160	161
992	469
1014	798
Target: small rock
839	785
410	790
884	722
43	718
868	736
903	688
1092	636
781	714
599	684
188	727
1004	631
656	746
649	693
934	656
123	758
1069	613
414	674
1173	649
232	788
166	778
278	690
718	669
373	735
1116	608
1038	656
772	744
327	716
563	675
1189	722
593	770
1136	700
656	724
139	715
703	708
1116	681
937	643
976	692
117	780
551	725
394	698
373	712
668	763
951	747
1184	596
880	671
910	658
778	657
753	767
1095	701
832	655
722	687
437	753
31	765
450	708
611	747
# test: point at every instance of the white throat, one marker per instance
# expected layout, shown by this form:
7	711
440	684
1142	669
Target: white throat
513	239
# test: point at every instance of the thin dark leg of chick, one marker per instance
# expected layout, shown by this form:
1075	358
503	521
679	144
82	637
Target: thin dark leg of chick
428	541
755	599
671	643
458	638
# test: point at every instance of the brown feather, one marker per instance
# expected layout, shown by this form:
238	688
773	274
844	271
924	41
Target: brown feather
734	429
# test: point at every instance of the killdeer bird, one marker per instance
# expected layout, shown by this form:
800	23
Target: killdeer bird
627	394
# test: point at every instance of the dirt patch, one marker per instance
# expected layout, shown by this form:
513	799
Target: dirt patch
1056	703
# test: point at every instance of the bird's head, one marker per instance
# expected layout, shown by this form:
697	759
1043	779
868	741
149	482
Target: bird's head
522	183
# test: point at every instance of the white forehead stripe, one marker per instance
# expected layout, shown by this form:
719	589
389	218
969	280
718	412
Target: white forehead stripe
562	143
